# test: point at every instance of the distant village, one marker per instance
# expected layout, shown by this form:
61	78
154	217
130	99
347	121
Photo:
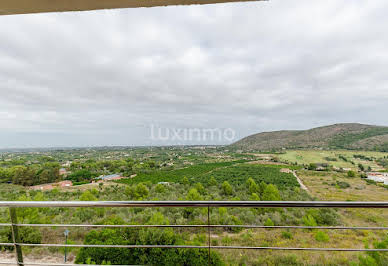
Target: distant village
69	183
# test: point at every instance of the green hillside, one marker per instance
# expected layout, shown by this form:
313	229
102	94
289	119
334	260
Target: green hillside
339	136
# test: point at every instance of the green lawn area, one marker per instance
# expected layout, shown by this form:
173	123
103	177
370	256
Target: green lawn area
319	156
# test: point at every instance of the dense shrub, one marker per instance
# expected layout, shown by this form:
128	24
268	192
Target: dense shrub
321	236
130	256
342	184
351	174
374	258
28	235
286	235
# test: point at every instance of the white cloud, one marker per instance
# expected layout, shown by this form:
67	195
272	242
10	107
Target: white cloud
103	77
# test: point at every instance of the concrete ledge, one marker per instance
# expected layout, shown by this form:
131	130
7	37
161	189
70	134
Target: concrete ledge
9	7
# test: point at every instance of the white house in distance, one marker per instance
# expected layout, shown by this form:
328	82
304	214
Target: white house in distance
378	177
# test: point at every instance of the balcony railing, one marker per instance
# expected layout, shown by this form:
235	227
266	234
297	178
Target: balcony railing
17	244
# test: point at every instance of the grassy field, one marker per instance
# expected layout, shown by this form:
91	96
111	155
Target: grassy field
320	186
320	156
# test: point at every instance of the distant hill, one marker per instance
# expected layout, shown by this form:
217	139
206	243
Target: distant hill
338	136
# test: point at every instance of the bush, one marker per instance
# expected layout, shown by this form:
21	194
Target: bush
342	184
131	236
88	196
321	236
28	235
160	188
351	174
325	216
374	258
286	235
308	220
269	222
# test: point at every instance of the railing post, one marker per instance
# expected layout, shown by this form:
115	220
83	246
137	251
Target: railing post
15	236
208	232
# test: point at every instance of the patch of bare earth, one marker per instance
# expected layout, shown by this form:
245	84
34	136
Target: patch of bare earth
35	258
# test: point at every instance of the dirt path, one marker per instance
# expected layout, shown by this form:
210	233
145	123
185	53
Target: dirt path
300	182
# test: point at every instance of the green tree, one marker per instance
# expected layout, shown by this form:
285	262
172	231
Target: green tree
254	197
160	188
193	194
271	193
212	181
141	191
262	187
185	180
227	188
25	176
199	187
81	175
252	186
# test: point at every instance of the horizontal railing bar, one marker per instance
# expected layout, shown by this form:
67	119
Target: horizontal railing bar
5	224
6	244
108	246
197	247
67	264
8	262
205	226
242	204
297	248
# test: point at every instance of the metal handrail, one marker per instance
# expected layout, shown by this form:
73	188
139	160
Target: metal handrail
240	204
12	205
203	225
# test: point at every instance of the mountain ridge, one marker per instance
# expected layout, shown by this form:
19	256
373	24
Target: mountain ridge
337	136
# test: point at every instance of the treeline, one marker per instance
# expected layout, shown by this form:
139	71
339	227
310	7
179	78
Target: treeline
47	171
31	175
126	167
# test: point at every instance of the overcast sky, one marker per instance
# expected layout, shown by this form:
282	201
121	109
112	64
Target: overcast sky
108	77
